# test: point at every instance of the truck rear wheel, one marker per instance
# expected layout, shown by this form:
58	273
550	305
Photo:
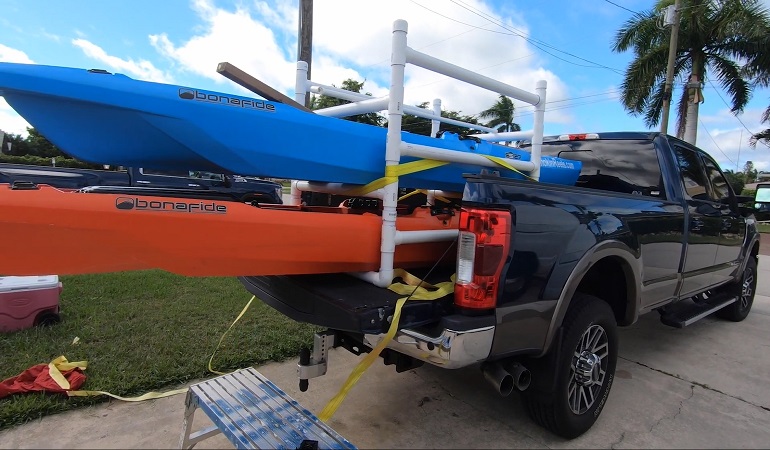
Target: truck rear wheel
745	289
584	371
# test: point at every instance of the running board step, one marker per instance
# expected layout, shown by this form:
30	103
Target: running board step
687	312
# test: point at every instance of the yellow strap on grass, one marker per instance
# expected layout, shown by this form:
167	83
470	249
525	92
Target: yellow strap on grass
423	292
60	364
141	398
57	365
243	311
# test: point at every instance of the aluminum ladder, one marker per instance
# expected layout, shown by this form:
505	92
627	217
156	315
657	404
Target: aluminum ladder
252	412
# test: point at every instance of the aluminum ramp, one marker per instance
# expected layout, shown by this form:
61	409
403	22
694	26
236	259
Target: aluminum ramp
252	412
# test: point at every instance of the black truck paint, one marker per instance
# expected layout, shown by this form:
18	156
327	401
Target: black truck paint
181	183
651	224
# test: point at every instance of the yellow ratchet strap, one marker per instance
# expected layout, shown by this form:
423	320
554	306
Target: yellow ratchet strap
423	291
60	364
502	162
393	172
153	395
423	191
141	398
57	365
243	311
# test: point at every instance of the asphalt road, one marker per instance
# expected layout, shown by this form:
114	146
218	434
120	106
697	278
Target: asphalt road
704	386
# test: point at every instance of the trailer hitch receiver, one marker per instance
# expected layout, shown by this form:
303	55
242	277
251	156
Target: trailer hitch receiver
314	365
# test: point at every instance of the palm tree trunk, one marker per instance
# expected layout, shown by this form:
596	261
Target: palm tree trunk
695	98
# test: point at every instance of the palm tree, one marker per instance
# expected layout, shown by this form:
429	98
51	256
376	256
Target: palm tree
501	114
721	39
764	135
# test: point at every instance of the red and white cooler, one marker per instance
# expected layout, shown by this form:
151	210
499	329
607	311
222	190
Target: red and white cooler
29	301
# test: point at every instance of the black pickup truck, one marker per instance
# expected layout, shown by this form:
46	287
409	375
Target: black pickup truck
546	273
180	183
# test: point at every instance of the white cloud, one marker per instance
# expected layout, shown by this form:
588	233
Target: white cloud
727	141
141	69
8	54
235	37
52	36
10	121
261	40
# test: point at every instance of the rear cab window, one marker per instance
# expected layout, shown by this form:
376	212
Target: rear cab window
628	166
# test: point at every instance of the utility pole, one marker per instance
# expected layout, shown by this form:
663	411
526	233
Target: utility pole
668	88
305	38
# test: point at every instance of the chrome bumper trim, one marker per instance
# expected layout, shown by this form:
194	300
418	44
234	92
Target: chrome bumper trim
450	349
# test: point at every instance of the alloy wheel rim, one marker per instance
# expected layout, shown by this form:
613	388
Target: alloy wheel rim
588	369
747	289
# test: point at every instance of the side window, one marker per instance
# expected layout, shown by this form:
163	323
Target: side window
693	176
721	189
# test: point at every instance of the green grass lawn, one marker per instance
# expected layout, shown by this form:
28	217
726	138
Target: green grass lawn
763	227
142	331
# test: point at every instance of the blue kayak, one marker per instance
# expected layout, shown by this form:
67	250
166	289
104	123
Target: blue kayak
106	118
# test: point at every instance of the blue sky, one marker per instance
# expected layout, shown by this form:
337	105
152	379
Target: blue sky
181	42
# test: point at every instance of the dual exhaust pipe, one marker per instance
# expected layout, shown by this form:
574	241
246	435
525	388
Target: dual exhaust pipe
505	377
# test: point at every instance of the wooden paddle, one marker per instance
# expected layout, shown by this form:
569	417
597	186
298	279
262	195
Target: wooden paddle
254	85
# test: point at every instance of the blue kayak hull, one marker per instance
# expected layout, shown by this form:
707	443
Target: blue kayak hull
113	119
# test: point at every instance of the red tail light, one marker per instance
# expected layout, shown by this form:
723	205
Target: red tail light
483	247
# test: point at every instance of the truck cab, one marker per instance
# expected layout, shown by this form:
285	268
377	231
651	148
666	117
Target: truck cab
544	274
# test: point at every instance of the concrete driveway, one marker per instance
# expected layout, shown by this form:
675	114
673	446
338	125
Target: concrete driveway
700	387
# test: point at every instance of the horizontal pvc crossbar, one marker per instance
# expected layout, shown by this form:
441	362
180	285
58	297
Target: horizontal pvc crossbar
333	188
451	70
332	91
351	109
505	136
427	152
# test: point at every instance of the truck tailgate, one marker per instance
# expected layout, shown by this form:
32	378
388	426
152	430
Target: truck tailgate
344	302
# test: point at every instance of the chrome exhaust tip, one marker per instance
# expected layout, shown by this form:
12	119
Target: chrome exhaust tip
501	379
522	377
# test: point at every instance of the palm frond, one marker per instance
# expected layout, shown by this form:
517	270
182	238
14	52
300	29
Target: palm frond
729	75
763	135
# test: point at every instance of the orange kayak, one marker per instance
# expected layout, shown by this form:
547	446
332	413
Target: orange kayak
47	230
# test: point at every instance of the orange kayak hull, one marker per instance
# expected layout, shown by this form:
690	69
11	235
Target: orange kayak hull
47	230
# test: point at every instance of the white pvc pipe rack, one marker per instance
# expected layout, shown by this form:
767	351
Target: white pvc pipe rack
395	148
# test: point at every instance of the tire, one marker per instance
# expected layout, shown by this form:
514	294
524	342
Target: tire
745	290
564	411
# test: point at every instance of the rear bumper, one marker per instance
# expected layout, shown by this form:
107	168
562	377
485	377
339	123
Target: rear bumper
450	349
430	330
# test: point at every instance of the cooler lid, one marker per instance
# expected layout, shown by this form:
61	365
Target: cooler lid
8	284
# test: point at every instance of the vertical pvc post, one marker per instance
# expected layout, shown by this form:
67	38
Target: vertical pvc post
301	83
296	194
434	124
393	151
434	127
537	136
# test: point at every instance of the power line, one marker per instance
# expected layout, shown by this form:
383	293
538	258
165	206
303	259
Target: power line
715	143
621	7
751	133
536	42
